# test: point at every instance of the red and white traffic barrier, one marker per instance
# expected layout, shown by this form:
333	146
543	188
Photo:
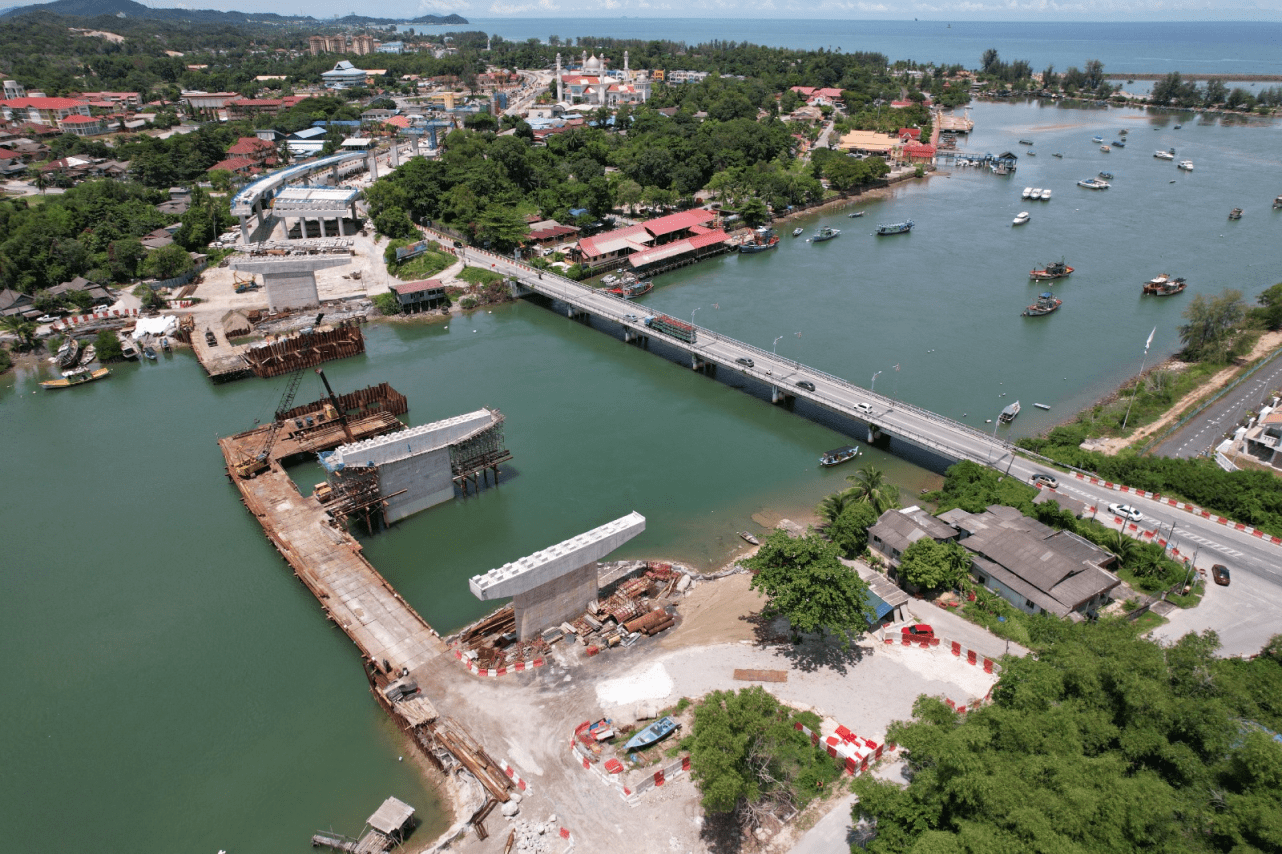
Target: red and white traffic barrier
854	754
1180	505
518	667
514	777
960	652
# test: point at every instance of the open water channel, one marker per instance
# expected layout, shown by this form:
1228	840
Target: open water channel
169	686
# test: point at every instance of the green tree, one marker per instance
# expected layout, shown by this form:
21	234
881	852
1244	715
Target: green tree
628	193
24	330
871	487
167	262
932	565
1209	322
990	60
394	223
849	531
501	227
107	346
804	581
833	505
748	758
754	212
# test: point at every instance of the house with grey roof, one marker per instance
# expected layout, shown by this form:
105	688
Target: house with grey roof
898	529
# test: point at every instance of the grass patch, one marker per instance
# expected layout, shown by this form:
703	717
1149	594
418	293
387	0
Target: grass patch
1190	599
425	266
1148	621
479	276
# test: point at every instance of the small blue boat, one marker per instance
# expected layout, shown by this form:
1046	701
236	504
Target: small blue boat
656	731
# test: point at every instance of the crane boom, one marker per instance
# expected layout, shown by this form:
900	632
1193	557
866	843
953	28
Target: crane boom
251	466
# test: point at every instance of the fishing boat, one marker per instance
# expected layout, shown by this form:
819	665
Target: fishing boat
1277	203
631	290
1030	153
1105	149
76	377
1009	413
856	214
749	538
149	353
837	456
895	228
1164	285
1046	195
1123	131
164	345
1236	213
1163	155
69	353
1046	303
1053	270
1057	154
1093	184
1177	127
1042	406
1021	218
127	348
1027	194
797	232
1025	142
610	280
1097	139
762	239
655	732
1107	176
87	356
1117	143
825	233
1186	165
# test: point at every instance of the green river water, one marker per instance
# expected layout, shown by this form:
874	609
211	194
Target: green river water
169	686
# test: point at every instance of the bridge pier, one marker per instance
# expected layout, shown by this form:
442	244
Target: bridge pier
777	395
697	363
874	433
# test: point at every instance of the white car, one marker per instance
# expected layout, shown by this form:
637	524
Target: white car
863	408
1126	511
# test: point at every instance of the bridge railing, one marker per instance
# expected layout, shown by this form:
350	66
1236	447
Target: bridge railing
568	289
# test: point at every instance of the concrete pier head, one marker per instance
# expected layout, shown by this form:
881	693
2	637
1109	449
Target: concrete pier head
556	584
290	281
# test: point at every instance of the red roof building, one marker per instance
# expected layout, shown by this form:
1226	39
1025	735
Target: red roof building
910	133
239	165
253	148
84	125
48	111
918	152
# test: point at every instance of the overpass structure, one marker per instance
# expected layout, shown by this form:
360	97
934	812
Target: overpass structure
710	351
255	198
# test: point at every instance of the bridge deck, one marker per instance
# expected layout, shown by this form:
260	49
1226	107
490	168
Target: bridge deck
919	426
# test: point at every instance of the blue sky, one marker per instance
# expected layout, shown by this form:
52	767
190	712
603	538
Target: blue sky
959	10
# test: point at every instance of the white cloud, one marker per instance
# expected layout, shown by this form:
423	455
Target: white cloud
501	9
443	7
549	6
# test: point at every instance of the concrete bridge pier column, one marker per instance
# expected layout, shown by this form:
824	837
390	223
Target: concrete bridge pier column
333	174
244	229
696	363
373	166
874	433
396	154
776	395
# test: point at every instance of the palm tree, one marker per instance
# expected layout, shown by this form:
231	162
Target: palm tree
833	506
24	329
871	487
1123	546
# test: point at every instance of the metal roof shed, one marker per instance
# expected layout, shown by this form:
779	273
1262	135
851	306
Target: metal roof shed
391	818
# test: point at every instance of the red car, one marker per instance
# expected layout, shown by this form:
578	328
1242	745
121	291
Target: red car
921	631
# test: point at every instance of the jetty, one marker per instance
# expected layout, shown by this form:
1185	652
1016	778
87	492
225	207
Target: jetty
398	648
224	361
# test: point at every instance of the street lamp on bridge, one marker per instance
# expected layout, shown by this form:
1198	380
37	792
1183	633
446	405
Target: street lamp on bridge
874	381
773	351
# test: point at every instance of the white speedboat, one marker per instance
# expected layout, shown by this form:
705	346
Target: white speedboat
1186	165
1021	218
1046	195
1028	193
1163	155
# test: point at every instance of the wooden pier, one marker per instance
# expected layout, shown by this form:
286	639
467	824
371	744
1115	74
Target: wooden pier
399	649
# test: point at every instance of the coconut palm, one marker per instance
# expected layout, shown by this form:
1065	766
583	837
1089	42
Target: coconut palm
23	329
1123	546
832	506
870	486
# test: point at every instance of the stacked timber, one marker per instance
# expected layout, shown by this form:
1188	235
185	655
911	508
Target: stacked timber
648	621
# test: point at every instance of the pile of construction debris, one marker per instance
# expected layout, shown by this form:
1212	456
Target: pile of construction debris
626	611
534	838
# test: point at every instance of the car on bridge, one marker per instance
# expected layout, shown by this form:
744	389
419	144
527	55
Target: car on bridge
863	408
1126	511
1044	480
745	361
806	384
632	317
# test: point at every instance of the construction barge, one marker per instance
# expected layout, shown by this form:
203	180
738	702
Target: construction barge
224	361
399	650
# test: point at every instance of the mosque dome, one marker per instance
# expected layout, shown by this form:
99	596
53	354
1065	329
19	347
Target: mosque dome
593	65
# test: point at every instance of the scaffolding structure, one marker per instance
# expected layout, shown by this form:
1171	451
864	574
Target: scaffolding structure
353	491
481	452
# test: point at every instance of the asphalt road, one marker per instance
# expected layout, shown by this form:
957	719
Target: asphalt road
1208	427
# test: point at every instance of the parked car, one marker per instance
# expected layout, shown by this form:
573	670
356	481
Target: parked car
1126	511
921	631
745	361
806	384
1220	573
1044	480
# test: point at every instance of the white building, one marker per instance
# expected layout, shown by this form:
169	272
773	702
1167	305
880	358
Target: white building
343	75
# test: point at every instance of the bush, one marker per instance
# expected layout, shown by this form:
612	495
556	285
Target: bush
107	346
387	304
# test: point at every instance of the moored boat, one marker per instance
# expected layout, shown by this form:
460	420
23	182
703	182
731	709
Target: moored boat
1046	303
1163	155
748	538
127	348
76	377
1277	203
1027	194
1041	406
1097	139
165	345
631	290
896	228
825	233
837	456
1009	413
1093	184
1053	270
1105	149
149	353
1236	213
1025	142
1186	165
762	239
1057	154
656	731
1046	195
69	353
856	214
1107	176
797	232
1164	285
88	355
1021	218
1117	143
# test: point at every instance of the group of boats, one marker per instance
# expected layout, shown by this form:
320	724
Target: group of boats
1036	194
762	239
1047	302
828	233
627	286
1164	285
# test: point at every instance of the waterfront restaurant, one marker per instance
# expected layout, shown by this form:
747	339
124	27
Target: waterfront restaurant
613	247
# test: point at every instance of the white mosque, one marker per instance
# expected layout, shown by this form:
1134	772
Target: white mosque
593	85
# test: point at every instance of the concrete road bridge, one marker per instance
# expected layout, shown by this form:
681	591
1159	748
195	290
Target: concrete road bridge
1210	538
711	351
